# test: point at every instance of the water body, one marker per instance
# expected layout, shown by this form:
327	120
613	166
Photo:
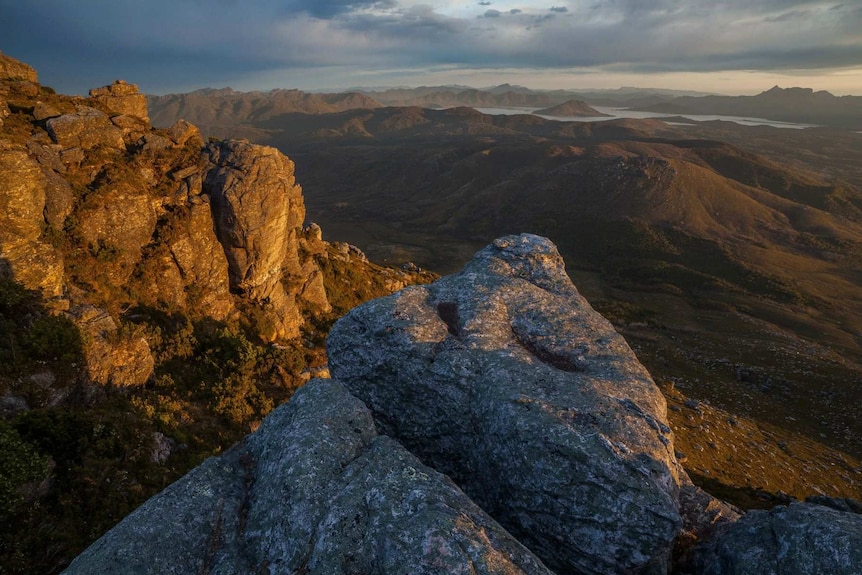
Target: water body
614	113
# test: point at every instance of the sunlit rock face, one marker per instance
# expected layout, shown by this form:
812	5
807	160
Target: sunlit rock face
258	212
86	129
23	254
16	70
122	98
503	377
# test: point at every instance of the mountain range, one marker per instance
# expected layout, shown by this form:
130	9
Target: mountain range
226	107
785	104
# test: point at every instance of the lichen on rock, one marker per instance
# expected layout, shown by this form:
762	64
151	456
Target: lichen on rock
503	377
315	490
787	540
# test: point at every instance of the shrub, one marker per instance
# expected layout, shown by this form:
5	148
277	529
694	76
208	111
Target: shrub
54	338
20	464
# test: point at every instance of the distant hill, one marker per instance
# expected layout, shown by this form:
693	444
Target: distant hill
408	122
507	95
802	105
226	107
571	109
503	88
447	98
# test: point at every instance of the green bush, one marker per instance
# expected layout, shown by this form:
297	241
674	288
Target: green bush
13	294
54	338
20	464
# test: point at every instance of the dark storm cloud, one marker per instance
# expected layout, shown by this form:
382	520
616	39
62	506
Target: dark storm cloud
162	44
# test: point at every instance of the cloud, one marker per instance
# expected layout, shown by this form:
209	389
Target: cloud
180	44
330	8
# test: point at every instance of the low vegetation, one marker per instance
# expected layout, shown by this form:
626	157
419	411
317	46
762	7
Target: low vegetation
75	458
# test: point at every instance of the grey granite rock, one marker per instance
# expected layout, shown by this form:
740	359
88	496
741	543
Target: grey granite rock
504	378
315	491
802	538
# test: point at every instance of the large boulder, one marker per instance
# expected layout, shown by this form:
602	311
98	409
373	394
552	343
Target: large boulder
181	132
85	129
122	98
503	377
802	538
316	491
111	357
258	212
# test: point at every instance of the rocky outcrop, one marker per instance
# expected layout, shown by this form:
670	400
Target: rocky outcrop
122	98
112	358
117	224
800	538
200	262
85	129
258	212
315	490
23	256
12	69
503	377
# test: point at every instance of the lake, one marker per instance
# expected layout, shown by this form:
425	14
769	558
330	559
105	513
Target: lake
625	113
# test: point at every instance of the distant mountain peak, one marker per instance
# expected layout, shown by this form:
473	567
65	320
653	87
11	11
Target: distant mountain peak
794	91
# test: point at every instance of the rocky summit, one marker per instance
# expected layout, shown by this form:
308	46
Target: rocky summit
491	422
503	377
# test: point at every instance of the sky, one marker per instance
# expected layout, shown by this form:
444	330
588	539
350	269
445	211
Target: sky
720	46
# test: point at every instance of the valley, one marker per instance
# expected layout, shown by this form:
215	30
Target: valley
727	255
